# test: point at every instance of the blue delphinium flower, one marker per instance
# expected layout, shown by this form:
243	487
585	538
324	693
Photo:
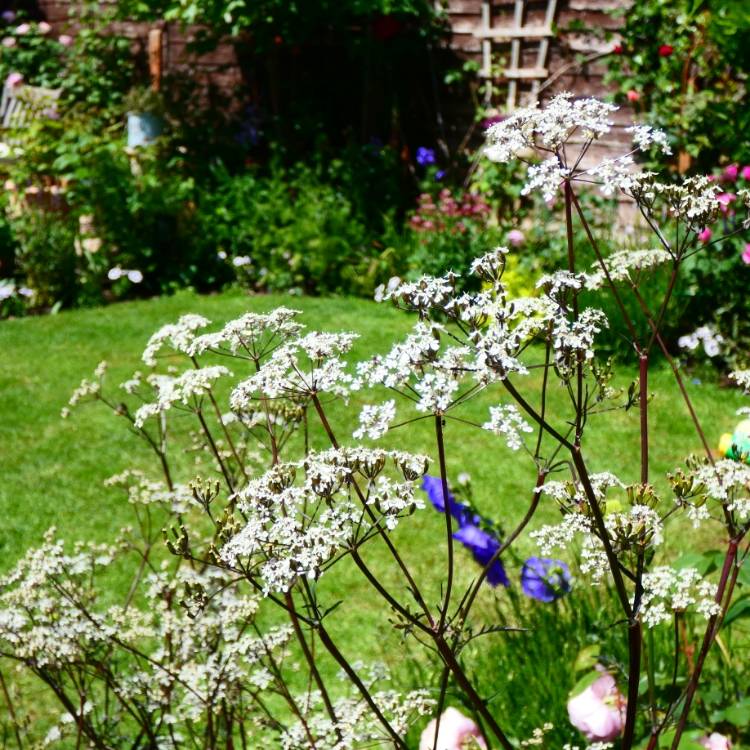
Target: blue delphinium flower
425	156
545	579
483	546
433	486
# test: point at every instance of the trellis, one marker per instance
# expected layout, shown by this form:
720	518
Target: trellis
517	34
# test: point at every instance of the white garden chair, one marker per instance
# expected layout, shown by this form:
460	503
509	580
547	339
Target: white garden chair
20	105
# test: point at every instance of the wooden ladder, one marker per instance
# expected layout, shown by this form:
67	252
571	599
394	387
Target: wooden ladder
516	34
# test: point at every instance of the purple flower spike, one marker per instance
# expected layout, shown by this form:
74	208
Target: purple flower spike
425	156
545	579
483	546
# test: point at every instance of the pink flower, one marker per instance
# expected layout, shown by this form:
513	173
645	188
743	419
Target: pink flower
746	254
633	95
730	172
745	173
456	730
725	199
715	741
65	40
666	50
516	237
705	235
23	28
13	80
43	27
8	42
599	711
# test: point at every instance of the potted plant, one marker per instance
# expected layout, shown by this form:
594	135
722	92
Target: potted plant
145	115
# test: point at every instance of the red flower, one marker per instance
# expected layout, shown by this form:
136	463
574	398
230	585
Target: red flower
633	95
618	49
666	50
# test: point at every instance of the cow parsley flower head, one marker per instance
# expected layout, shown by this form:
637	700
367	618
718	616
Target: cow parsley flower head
251	332
547	178
178	335
646	136
374	420
626	265
667	591
305	366
507	420
549	127
182	389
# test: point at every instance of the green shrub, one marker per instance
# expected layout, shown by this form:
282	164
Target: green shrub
293	228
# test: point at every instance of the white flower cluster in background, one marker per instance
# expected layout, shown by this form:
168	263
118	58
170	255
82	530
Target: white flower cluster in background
705	335
742	378
144	491
667	591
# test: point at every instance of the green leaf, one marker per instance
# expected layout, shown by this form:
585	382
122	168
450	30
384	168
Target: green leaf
740	608
738	714
586	658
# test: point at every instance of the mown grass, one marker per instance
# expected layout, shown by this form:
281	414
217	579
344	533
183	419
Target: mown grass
53	469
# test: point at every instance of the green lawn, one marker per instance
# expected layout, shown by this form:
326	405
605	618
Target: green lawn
53	469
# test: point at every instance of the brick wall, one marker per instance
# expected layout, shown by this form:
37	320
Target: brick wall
221	70
218	69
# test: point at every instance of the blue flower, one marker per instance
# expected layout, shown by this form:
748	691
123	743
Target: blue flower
433	486
545	579
483	546
439	175
425	156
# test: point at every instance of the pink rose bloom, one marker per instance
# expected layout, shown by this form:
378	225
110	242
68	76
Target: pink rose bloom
746	254
745	173
731	172
705	235
633	95
515	237
715	741
456	733
65	40
599	711
725	199
23	28
8	41
43	27
13	80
